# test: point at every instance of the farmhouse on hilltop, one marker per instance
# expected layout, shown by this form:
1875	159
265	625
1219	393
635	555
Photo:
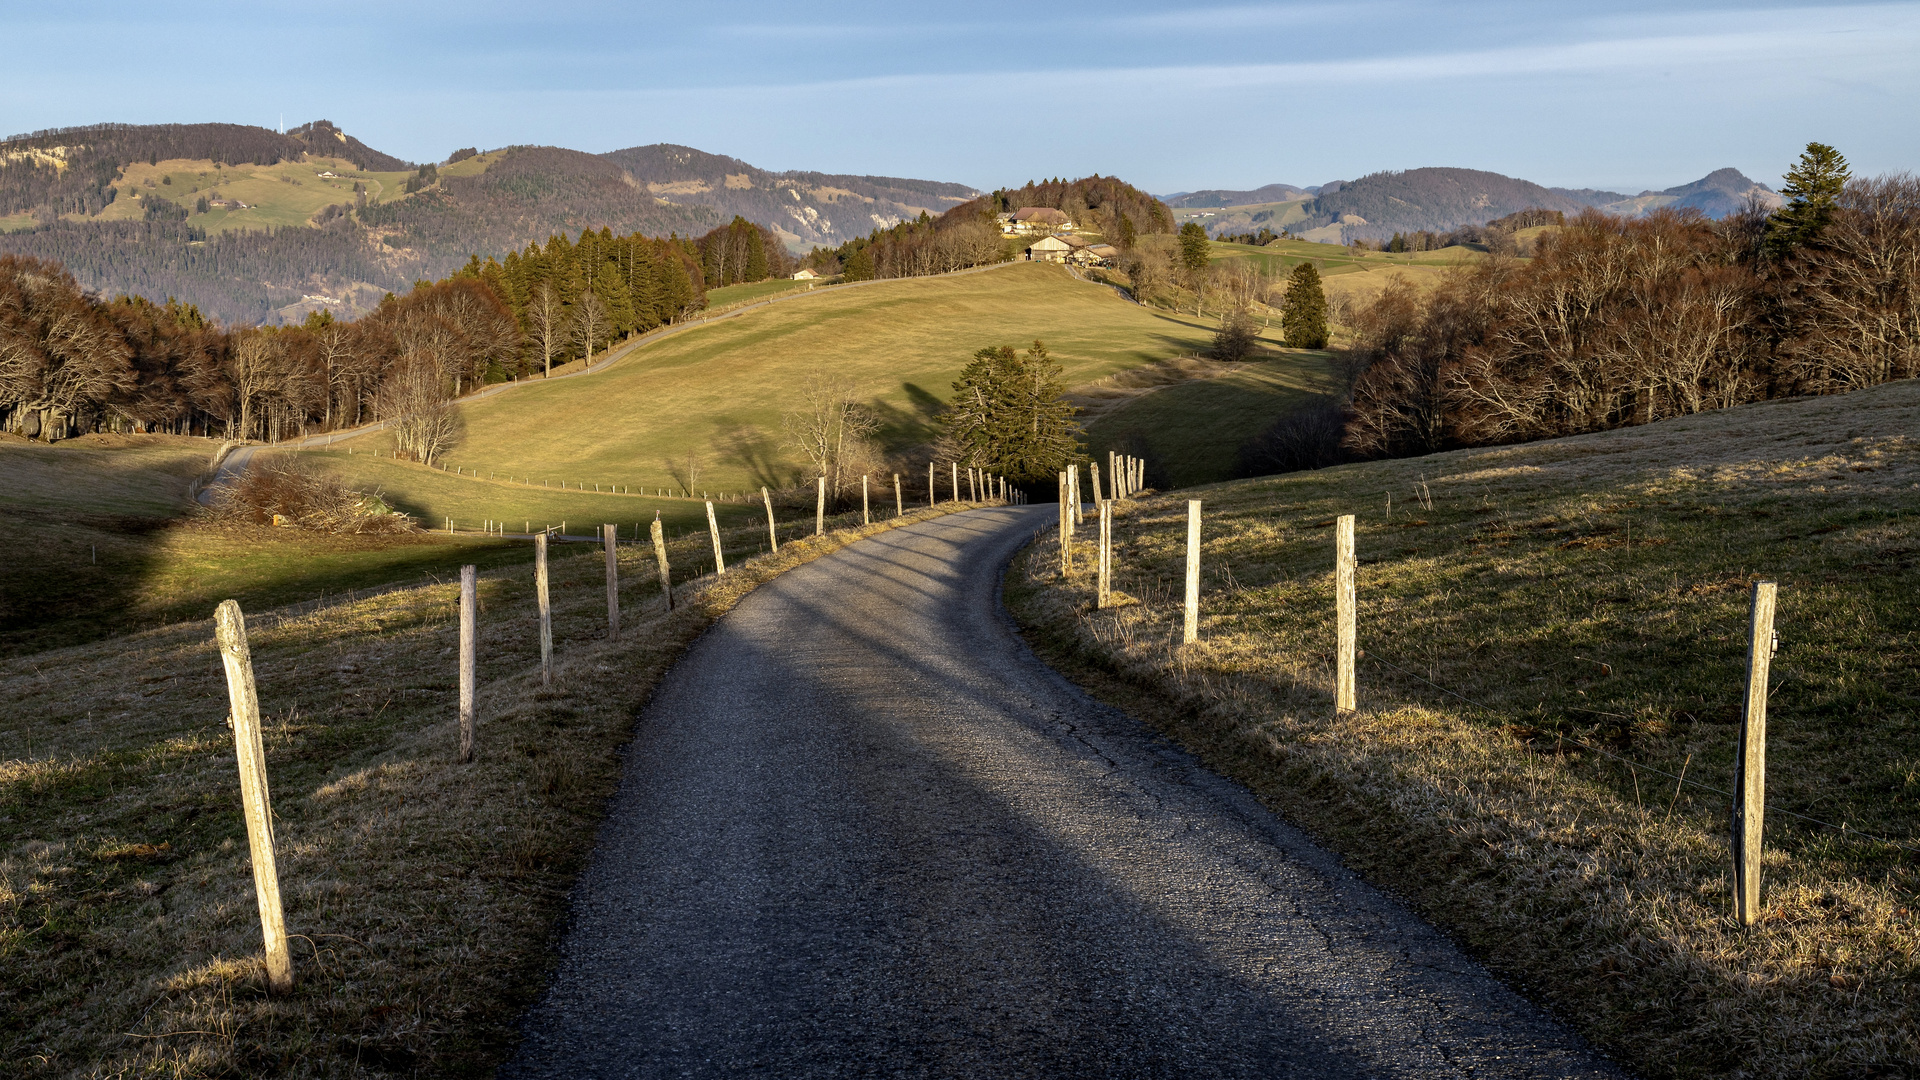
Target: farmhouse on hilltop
1035	219
804	275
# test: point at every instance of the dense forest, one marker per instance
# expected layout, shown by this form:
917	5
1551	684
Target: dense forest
72	363
1616	322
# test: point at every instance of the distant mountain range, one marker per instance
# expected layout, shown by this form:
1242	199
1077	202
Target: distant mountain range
254	225
1376	206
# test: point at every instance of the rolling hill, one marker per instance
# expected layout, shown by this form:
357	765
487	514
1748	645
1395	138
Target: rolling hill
249	223
1378	205
804	208
718	392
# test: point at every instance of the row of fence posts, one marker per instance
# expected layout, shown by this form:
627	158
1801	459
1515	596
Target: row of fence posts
1749	792
230	635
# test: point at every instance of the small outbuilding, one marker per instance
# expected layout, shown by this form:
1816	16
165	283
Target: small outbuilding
805	275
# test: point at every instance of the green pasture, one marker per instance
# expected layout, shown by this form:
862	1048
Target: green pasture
288	193
432	496
1194	430
717	392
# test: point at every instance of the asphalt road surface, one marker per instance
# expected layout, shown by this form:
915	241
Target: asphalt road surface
863	831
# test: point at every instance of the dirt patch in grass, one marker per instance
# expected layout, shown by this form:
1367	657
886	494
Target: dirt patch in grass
422	895
1582	595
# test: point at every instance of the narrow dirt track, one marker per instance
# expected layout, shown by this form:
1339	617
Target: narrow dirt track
863	831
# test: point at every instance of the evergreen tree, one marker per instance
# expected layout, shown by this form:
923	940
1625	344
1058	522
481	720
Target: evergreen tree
859	266
1303	316
1194	250
1009	414
1812	188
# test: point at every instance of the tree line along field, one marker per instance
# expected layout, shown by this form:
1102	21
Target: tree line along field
718	392
1584	597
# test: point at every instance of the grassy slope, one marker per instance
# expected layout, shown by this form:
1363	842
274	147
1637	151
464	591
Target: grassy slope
423	895
432	496
111	551
719	391
1594	587
1166	426
276	195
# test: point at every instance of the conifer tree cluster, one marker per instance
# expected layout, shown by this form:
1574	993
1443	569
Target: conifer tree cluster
640	282
1009	415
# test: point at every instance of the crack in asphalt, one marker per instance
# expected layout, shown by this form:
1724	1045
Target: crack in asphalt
863	831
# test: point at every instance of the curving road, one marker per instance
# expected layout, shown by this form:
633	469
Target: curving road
863	831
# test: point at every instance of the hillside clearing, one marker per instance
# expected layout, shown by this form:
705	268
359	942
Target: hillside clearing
1592	589
718	392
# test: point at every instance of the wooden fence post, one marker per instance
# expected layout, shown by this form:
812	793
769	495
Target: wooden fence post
609	538
660	553
866	510
1346	633
1749	789
546	608
820	510
930	491
230	633
468	616
713	528
1104	595
1093	474
1066	528
956	480
773	534
899	502
1113	477
1190	631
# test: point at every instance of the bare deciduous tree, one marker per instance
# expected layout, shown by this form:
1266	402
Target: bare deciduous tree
831	428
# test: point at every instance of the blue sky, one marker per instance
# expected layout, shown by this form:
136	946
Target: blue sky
1622	95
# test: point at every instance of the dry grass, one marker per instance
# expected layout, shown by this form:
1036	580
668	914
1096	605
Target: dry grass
284	491
1592	588
423	894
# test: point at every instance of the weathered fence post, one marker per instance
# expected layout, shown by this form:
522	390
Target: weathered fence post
866	511
1113	477
1066	528
1750	785
1104	595
773	534
660	553
899	502
546	608
230	633
1190	632
1093	473
1346	634
609	538
713	528
956	479
820	510
468	615
930	491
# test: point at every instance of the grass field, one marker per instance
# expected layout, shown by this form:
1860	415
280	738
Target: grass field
109	547
718	392
287	193
423	896
1592	589
432	496
1193	430
732	295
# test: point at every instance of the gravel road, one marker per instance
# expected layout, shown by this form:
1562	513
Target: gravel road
863	831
